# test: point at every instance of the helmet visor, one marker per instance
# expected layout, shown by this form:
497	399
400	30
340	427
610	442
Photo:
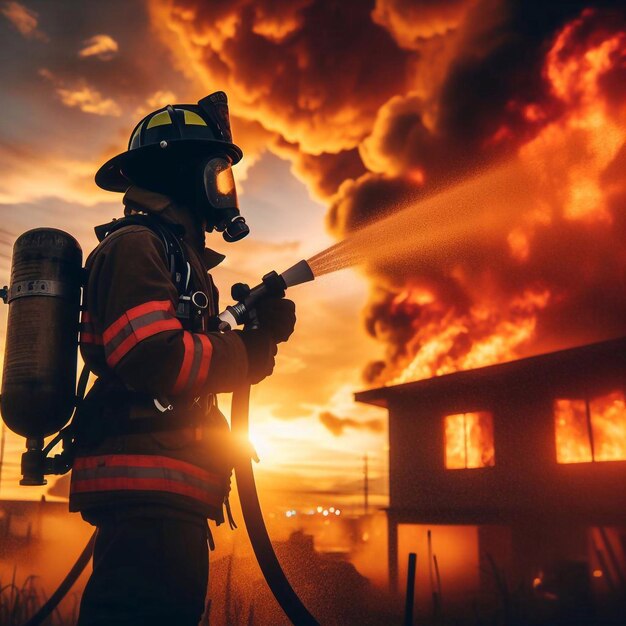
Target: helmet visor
219	184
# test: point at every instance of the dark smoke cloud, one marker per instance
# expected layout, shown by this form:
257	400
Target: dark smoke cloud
380	103
325	172
482	120
314	72
337	425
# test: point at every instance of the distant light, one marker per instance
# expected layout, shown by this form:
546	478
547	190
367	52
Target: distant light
536	582
319	509
288	513
337	512
332	509
325	513
598	573
365	536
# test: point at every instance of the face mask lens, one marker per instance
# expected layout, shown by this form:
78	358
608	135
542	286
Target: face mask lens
219	184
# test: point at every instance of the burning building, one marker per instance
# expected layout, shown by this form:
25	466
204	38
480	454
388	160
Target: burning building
526	459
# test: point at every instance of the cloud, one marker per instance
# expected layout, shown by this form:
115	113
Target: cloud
156	100
386	106
103	47
88	100
410	21
25	20
83	96
336	425
30	173
287	65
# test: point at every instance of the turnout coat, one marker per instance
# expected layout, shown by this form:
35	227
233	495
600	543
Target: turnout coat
129	452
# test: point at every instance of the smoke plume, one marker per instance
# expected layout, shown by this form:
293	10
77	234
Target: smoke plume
380	104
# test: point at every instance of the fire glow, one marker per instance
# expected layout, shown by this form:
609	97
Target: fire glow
469	440
591	430
579	133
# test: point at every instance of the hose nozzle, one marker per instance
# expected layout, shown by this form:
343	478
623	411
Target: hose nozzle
273	285
297	274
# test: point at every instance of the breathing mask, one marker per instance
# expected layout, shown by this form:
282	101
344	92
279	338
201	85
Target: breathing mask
218	200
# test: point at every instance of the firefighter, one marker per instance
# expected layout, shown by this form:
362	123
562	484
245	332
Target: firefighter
154	454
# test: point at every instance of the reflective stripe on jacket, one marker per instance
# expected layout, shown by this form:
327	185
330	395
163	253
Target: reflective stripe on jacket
146	473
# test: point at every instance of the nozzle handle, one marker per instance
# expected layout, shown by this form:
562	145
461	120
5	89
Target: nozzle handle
274	285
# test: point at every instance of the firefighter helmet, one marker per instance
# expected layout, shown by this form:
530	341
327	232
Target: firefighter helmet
172	134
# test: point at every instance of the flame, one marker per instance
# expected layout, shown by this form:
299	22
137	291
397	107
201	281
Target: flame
575	149
417	176
498	339
593	430
577	134
469	440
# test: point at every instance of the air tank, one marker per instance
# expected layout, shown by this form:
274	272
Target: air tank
39	378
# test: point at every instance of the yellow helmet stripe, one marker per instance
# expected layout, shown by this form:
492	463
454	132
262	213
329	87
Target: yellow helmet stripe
160	119
193	118
135	134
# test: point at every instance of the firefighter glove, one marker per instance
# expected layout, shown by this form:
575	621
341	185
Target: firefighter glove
277	316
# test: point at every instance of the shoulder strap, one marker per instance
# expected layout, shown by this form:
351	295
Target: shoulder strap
180	269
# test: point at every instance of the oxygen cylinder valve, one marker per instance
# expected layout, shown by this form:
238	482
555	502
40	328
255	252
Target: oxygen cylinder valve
33	462
36	463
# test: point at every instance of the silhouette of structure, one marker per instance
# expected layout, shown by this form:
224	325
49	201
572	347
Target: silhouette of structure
519	450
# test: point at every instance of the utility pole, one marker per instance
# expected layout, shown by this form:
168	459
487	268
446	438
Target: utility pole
365	485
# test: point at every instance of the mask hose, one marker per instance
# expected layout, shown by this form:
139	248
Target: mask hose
235	229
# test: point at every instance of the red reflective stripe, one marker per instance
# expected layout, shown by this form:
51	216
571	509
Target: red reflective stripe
149	307
157	327
145	484
135	312
139	335
88	332
185	367
207	351
91	338
144	460
115	327
126	346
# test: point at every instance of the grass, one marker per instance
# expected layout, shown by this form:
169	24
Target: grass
18	603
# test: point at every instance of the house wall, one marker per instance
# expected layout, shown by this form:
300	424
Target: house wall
526	481
531	511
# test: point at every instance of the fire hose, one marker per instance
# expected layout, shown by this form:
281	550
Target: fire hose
63	589
273	573
255	525
243	312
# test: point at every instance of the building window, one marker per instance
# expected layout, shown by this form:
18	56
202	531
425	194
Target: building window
589	430
469	440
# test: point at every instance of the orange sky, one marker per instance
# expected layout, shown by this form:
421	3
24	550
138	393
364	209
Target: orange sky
347	111
66	109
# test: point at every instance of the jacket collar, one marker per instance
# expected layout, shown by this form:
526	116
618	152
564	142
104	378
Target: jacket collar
145	201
